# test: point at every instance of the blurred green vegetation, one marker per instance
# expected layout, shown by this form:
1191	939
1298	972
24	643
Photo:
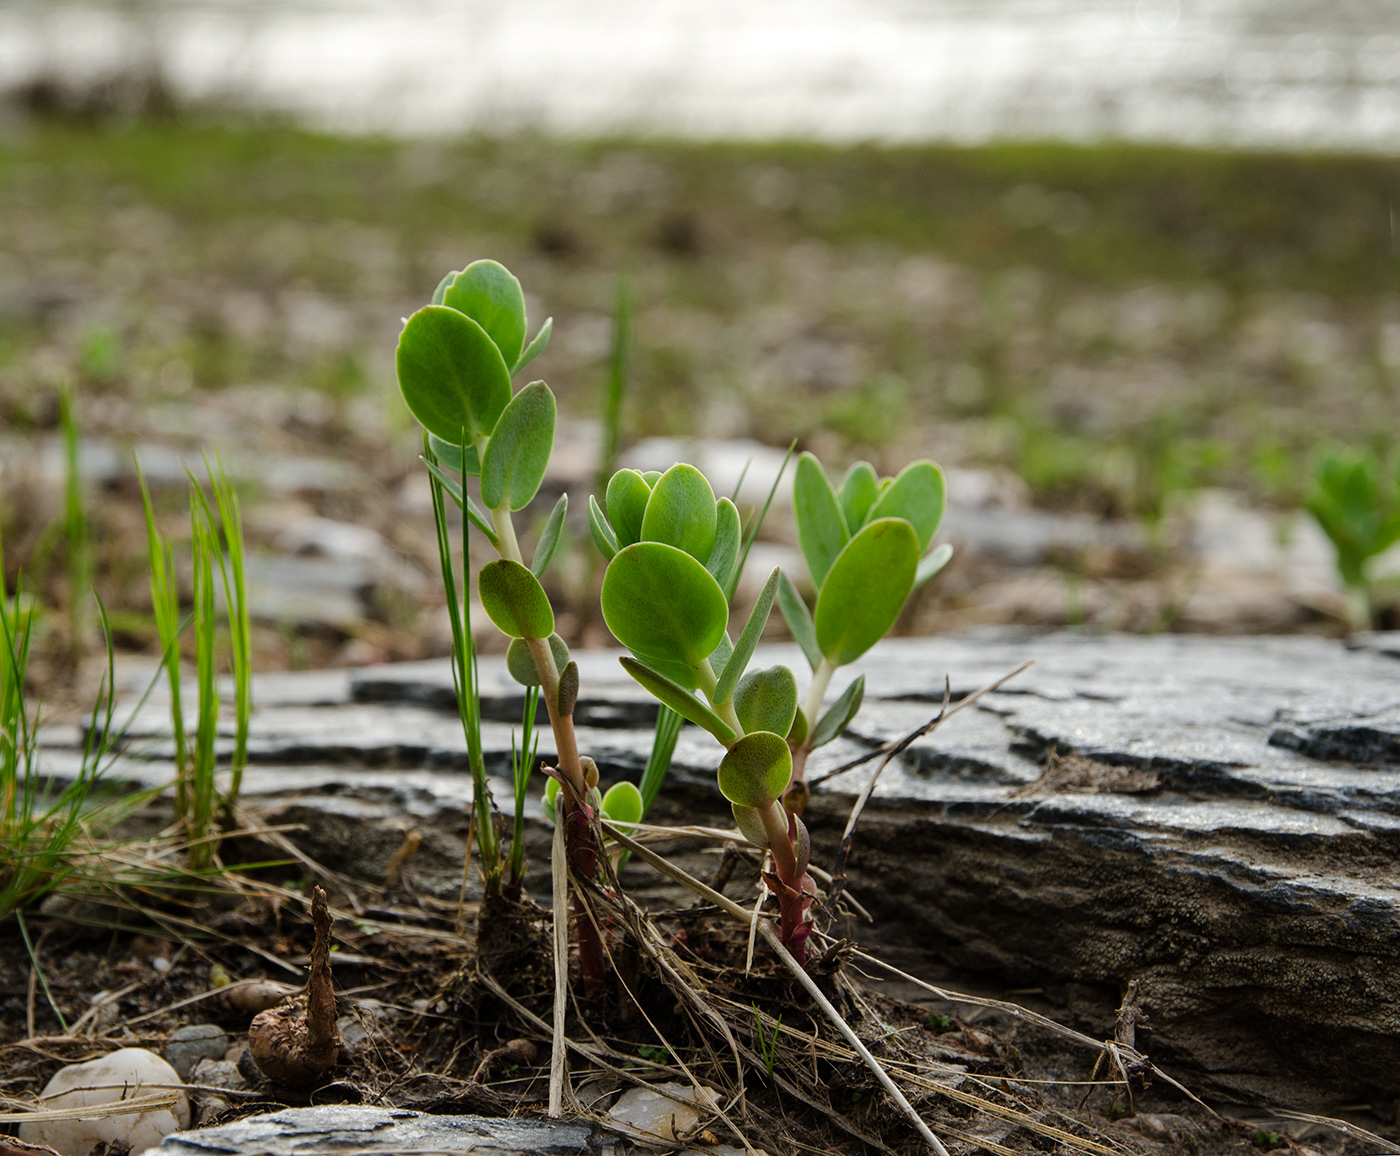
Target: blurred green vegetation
1117	323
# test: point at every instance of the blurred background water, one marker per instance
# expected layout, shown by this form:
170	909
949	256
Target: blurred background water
1122	267
1240	72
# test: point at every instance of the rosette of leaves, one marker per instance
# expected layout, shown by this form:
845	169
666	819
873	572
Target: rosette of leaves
672	549
868	545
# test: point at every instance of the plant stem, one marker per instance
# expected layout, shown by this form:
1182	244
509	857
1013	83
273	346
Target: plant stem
575	812
811	709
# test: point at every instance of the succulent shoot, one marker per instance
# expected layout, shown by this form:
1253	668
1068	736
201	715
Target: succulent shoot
455	359
673	548
867	548
1358	508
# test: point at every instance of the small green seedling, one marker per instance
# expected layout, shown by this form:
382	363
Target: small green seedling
937	1023
1358	507
1268	1140
767	1044
868	545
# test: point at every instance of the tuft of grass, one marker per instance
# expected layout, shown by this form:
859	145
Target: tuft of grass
202	793
77	548
464	676
240	621
165	605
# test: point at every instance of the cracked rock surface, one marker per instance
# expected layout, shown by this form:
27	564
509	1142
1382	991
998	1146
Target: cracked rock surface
359	1129
1216	818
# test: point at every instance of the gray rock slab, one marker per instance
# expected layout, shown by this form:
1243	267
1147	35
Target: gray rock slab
355	1128
1218	819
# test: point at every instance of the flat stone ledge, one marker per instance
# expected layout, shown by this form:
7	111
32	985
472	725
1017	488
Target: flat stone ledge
339	1128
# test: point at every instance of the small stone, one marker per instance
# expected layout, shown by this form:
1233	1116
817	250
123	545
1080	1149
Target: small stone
648	1111
187	1046
218	1074
122	1075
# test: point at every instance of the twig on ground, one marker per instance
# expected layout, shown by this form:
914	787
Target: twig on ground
894	746
559	865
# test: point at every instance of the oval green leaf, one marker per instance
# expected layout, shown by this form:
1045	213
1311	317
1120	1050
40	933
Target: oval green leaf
681	512
521	663
602	531
623	806
549	537
931	563
859	489
799	620
659	601
535	348
451	374
766	700
728	537
840	714
742	650
490	294
441	290
518	452
680	700
916	495
821	527
866	589
797	733
627	499
756	770
514	600
750	824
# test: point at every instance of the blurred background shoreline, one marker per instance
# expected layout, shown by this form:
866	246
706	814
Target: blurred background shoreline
1121	268
1240	73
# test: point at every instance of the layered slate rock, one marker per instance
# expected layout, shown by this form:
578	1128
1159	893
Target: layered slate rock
1218	819
354	1128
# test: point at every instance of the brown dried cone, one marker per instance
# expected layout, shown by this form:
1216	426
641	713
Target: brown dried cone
295	1045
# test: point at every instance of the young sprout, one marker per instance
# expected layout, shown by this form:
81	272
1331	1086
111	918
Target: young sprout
1358	507
867	547
455	360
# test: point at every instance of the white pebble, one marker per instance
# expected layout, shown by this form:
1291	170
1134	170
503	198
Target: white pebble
648	1111
122	1075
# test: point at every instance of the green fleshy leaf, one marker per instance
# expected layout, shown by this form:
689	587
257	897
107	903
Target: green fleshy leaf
678	699
681	512
797	733
866	589
660	602
549	537
441	290
518	452
748	641
756	770
838	717
623	806
602	531
799	620
490	294
821	527
550	802
627	499
728	536
651	477
859	489
750	824
451	374
535	348
514	600
449	456
766	700
521	663
719	657
474	513
916	495
931	563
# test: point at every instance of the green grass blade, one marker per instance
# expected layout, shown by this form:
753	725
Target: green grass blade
757	522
